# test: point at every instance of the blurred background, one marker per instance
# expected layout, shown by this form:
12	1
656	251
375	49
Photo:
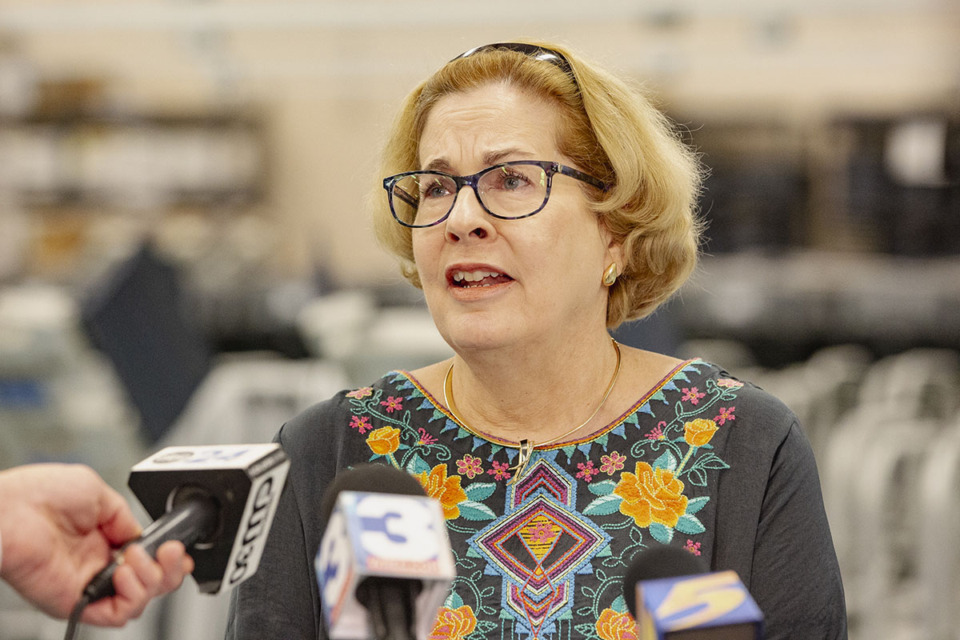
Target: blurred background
186	258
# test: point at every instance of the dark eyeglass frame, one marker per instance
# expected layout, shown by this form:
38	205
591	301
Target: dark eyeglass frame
549	169
534	51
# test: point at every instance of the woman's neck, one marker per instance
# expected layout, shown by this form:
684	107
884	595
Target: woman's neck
533	392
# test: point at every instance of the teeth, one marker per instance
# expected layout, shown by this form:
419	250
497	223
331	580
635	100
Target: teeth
473	276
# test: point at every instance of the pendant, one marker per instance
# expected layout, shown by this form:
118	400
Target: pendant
526	452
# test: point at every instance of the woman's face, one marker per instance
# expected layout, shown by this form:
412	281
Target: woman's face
492	283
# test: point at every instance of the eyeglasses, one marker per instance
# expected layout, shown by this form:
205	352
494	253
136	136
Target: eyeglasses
509	191
534	51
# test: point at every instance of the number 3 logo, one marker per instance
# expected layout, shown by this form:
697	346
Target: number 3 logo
397	528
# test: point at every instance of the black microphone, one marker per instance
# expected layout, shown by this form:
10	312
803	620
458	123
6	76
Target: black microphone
384	566
218	500
672	594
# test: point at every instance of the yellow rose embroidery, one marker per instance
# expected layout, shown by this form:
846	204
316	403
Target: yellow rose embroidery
616	626
445	489
699	432
384	441
651	495
454	624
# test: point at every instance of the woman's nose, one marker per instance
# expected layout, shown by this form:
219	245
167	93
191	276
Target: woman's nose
467	219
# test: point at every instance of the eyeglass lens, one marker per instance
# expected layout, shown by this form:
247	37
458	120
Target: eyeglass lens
508	191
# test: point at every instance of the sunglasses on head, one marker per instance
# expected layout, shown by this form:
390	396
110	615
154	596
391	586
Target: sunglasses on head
534	51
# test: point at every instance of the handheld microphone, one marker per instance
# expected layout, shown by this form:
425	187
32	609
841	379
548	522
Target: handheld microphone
672	595
218	500
384	566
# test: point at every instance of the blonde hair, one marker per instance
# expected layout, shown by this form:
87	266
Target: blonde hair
608	129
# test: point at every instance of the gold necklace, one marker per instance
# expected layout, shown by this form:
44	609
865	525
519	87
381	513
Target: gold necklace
525	446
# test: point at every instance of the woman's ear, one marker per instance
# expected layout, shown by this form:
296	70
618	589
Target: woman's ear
614	252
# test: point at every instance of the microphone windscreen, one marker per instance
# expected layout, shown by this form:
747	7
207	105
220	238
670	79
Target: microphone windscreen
656	563
368	478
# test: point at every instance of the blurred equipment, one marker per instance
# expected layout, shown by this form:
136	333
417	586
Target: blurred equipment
138	319
672	595
384	566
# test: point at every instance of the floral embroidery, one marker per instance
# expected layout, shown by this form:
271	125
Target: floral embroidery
726	413
361	424
499	471
425	438
693	395
542	533
699	432
692	547
586	470
384	441
544	558
469	466
729	383
613	625
445	489
612	463
651	495
392	404
454	624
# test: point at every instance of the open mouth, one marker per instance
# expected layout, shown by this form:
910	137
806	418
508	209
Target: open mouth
478	278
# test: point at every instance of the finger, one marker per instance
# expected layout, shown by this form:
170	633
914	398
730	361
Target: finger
173	559
116	519
131	599
146	569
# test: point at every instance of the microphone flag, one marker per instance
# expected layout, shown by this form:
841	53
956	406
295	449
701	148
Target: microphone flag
377	536
710	605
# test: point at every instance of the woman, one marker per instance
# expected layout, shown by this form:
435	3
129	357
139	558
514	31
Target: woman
538	202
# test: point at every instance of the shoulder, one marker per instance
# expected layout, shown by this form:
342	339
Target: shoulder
317	441
324	420
757	416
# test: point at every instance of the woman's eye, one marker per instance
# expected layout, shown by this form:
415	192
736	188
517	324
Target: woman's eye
512	181
434	190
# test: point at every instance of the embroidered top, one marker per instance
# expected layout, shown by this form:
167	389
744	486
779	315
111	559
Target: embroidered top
699	462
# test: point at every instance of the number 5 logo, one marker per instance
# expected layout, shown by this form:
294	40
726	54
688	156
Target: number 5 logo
695	601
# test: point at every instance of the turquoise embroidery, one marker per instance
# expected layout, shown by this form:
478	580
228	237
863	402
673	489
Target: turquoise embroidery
545	557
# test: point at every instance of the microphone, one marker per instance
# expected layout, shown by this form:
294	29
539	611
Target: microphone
672	595
218	500
384	566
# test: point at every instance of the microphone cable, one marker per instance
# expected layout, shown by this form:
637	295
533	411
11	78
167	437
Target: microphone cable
74	620
194	517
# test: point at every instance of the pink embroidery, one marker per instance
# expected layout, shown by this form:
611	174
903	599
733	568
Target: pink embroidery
729	383
361	393
361	424
657	432
542	532
425	438
587	470
470	466
693	395
612	463
499	471
726	413
392	404
693	547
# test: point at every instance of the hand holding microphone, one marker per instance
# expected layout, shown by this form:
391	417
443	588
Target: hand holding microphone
219	501
385	566
59	524
672	595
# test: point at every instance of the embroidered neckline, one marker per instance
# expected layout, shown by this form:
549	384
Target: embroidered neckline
569	443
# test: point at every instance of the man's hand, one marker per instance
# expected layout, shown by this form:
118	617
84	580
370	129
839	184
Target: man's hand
60	525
